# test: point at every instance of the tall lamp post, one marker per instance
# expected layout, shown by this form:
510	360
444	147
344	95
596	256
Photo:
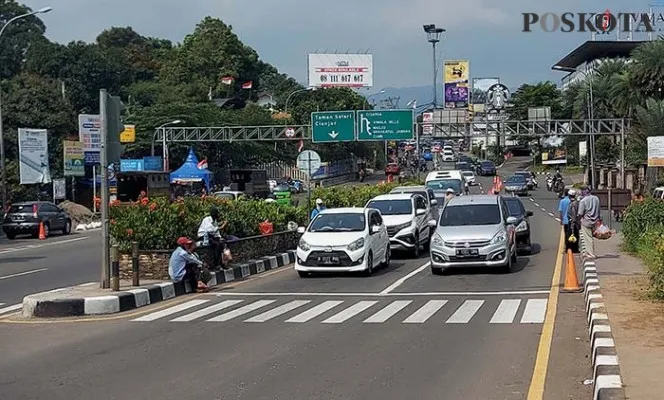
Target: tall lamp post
294	93
164	150
433	37
591	115
2	137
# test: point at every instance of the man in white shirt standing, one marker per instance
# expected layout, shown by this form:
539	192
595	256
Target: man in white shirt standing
589	214
209	234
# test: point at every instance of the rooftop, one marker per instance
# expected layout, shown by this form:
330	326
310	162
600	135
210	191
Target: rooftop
343	210
473	199
594	50
393	196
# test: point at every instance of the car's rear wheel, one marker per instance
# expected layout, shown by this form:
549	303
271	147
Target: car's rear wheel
388	256
10	235
370	269
416	249
67	229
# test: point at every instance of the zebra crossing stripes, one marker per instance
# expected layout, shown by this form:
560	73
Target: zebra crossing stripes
316	311
505	311
425	312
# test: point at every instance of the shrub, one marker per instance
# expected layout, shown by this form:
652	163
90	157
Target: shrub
157	223
355	196
639	218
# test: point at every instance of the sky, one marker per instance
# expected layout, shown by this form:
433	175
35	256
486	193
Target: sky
283	32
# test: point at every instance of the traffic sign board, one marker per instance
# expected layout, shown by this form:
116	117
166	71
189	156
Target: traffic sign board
308	162
385	125
332	126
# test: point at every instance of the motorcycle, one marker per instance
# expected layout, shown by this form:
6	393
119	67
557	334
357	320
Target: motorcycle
559	188
549	183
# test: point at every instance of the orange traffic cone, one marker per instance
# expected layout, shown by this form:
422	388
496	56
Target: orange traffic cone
42	233
571	280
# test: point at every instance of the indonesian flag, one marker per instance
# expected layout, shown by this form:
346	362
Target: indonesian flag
247	85
300	146
227	80
203	164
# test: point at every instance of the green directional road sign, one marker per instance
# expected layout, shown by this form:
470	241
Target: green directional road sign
333	126
385	125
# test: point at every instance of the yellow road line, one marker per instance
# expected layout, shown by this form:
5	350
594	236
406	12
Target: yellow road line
536	390
138	312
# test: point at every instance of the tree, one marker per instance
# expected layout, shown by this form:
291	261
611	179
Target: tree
647	68
543	94
18	37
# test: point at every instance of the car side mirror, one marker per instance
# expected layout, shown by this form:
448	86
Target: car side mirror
301	229
434	202
529	213
512	220
432	223
375	229
420	211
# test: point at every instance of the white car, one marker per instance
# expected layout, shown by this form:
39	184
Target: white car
448	155
343	240
408	217
469	176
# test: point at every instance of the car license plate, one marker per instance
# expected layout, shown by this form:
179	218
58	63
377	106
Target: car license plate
328	260
467	252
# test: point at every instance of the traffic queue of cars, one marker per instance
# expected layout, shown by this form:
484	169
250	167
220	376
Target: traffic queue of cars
464	231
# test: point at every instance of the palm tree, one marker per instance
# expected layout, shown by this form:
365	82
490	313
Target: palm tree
649	122
647	68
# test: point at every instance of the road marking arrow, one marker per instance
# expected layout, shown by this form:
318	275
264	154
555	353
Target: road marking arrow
333	134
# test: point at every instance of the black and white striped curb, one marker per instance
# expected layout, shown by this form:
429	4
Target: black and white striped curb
607	381
49	305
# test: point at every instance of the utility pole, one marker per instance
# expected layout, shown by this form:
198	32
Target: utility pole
103	160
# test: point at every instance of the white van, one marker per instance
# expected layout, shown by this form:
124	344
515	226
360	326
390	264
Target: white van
443	180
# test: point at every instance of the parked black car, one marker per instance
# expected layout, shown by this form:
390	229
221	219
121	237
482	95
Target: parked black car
517	210
486	168
24	218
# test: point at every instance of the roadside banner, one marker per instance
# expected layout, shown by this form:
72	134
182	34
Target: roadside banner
456	76
74	158
656	151
479	91
59	189
89	131
33	156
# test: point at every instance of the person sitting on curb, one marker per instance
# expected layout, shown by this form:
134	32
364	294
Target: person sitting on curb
185	266
209	233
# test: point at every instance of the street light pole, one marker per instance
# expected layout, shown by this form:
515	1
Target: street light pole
591	116
291	95
164	149
3	165
433	37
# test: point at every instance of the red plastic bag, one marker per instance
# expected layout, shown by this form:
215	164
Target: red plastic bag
266	228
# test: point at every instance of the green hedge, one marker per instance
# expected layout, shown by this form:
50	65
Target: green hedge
157	223
643	231
355	196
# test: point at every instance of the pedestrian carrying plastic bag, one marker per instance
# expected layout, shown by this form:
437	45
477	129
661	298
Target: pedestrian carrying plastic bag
602	231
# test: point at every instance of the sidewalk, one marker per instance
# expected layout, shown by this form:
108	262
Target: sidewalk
637	323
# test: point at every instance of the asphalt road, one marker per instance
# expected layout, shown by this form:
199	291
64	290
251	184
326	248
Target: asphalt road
30	266
402	333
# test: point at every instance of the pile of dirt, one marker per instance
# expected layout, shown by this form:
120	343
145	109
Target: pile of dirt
79	214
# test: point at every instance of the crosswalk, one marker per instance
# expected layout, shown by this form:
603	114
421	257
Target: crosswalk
6	309
374	311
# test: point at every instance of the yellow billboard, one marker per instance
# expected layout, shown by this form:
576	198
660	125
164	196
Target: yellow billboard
128	135
456	77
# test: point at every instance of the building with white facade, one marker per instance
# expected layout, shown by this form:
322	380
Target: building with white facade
585	59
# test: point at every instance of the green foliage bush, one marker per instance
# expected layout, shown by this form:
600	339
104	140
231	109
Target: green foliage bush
643	231
157	223
355	196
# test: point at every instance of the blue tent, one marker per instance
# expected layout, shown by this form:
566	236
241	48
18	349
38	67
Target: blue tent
189	172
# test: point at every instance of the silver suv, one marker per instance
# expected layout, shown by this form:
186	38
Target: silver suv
474	231
408	219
